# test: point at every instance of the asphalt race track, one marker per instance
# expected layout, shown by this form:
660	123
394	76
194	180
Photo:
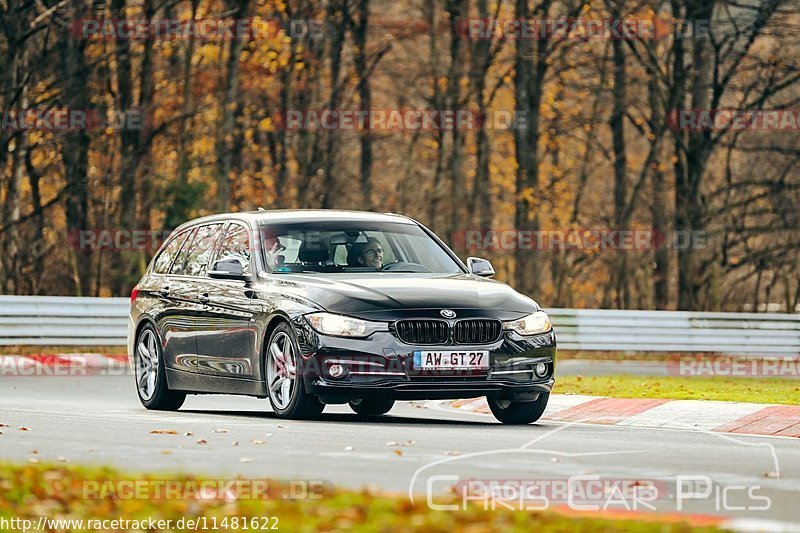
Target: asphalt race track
98	420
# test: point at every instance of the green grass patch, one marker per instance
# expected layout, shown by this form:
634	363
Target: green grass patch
754	390
35	490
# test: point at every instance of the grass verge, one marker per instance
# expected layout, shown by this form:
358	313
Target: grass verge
754	390
34	490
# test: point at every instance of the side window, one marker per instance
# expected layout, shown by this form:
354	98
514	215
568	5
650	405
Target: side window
201	250
292	248
170	251
236	245
178	267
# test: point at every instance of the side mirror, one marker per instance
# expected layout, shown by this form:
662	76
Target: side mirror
230	268
480	267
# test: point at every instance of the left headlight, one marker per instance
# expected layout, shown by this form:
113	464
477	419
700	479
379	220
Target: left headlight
532	324
339	325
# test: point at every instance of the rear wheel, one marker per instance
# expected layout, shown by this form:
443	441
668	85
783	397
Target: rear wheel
372	406
285	386
151	379
509	412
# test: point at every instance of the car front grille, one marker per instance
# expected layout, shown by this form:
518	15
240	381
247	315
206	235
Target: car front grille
422	331
469	331
477	331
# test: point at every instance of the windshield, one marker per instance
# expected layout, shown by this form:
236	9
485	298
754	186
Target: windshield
343	246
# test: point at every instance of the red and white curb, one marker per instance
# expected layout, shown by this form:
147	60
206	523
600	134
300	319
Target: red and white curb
700	415
63	365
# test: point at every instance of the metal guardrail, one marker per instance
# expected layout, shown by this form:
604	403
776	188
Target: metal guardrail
63	321
60	320
677	331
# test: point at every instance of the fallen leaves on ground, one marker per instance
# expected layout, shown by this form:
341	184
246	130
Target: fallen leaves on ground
163	432
329	510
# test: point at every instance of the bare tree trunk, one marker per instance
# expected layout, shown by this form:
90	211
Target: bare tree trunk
364	98
75	152
696	145
39	250
11	214
658	210
620	271
481	200
229	105
179	207
335	20
457	11
531	67
438	102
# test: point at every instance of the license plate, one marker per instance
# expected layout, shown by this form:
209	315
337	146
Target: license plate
450	359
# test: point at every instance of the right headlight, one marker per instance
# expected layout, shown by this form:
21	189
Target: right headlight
532	324
340	325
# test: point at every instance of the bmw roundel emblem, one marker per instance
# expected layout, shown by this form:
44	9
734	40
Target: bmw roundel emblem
447	313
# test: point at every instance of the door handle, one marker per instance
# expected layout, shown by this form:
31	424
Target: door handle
204	298
164	292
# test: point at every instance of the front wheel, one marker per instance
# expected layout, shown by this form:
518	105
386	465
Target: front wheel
372	406
151	379
509	412
285	387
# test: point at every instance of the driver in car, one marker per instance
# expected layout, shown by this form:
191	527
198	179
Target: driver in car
273	247
371	254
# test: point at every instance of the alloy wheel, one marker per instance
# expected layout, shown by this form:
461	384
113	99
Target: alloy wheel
281	370
146	364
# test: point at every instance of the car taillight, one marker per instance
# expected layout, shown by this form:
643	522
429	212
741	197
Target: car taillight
134	293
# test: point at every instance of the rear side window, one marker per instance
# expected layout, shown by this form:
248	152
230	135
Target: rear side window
178	266
201	250
236	245
168	254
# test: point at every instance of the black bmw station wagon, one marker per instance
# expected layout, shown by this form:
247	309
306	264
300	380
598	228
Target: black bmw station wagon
309	308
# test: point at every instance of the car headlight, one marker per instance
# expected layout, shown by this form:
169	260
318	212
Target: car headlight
532	324
338	325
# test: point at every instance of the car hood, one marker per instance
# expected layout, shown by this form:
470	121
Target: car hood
389	295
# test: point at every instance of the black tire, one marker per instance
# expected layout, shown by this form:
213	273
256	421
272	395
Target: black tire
162	398
518	413
302	405
372	406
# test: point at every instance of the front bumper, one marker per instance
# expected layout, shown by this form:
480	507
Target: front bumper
382	366
444	389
